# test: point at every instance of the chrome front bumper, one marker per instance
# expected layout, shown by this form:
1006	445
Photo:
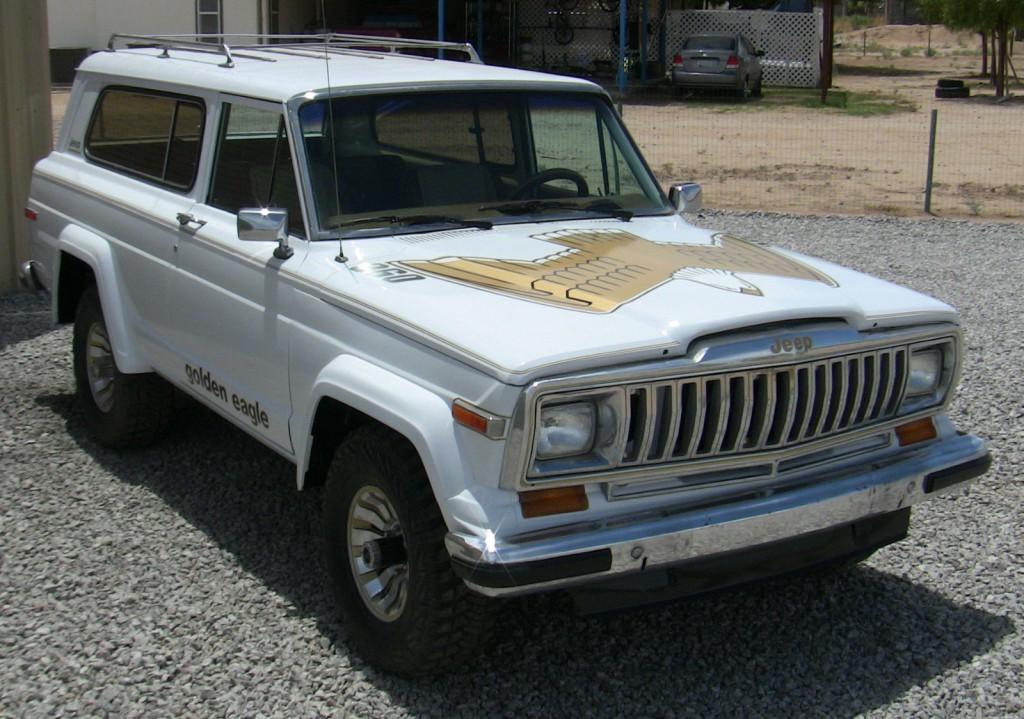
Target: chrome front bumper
584	553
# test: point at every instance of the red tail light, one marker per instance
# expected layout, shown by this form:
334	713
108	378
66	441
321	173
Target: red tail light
733	62
677	59
31	214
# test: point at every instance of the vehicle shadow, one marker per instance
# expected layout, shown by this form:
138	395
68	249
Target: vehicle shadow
810	646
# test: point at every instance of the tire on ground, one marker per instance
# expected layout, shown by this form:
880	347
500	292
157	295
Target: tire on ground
442	623
137	407
949	82
951	93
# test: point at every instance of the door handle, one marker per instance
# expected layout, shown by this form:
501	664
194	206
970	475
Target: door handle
186	221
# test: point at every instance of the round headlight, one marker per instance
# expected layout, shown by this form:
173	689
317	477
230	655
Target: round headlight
566	430
925	372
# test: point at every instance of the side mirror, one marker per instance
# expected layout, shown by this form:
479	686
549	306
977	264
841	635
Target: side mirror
686	197
759	53
265	224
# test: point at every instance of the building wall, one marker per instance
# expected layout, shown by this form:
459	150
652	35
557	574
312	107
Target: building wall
89	23
25	122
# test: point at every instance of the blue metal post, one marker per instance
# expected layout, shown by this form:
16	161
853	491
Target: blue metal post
480	28
662	40
643	43
622	46
440	25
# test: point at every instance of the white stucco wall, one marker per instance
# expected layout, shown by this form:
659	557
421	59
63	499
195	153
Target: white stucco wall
89	23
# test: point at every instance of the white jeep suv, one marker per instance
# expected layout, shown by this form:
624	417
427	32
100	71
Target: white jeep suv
456	296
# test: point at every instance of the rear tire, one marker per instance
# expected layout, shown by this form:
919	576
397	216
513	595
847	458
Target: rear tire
121	410
744	91
402	604
759	87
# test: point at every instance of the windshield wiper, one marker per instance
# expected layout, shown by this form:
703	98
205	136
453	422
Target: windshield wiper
412	220
532	207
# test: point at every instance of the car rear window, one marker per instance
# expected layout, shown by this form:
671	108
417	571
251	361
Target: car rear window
149	135
710	43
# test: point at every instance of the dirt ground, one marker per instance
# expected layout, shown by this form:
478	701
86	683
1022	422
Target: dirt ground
794	159
761	156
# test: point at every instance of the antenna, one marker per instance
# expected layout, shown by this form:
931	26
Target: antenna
330	121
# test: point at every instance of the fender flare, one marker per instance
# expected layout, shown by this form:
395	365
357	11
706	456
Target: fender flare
95	252
421	416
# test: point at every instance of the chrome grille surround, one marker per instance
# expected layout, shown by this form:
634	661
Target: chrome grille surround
731	404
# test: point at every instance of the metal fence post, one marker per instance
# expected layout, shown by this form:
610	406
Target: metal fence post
621	75
931	163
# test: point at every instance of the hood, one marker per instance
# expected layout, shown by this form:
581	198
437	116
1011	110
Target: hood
531	299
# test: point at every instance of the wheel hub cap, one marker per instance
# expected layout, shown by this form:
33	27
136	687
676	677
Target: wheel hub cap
99	366
377	554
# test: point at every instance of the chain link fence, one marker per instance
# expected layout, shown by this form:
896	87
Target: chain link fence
790	156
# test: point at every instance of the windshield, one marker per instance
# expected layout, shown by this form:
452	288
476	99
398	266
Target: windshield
380	164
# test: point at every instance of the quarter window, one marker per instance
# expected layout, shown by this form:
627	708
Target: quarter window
254	164
154	136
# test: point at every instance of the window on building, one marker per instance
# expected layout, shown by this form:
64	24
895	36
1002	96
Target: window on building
209	18
150	135
275	17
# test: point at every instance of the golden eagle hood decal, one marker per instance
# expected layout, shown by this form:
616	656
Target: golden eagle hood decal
600	270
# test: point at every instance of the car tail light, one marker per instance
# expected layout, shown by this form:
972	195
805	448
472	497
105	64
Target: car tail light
677	59
733	62
31	214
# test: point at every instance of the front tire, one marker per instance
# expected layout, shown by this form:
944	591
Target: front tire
402	604
121	410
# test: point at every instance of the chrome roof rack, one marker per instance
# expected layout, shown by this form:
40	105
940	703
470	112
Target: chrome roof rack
285	44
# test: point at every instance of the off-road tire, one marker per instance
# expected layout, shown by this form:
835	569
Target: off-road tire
949	82
442	624
952	93
141	404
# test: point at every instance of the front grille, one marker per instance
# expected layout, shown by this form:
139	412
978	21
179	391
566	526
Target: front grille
771	408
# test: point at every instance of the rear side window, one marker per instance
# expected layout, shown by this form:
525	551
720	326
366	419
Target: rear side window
149	135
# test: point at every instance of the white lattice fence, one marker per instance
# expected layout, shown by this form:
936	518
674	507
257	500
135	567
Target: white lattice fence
791	40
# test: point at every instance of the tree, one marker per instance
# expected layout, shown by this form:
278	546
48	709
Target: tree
993	17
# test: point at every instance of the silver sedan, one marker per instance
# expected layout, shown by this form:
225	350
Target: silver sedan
722	61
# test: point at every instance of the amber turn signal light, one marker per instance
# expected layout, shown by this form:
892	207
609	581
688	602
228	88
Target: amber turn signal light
919	430
478	420
558	500
468	418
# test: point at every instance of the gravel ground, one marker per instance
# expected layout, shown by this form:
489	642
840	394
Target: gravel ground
184	579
